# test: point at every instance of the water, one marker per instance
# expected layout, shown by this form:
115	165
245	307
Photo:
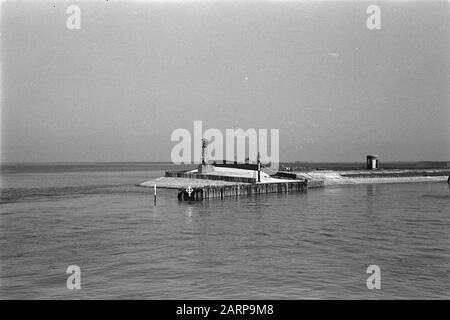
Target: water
295	246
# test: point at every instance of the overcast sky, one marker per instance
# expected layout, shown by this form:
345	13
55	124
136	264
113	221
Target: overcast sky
116	89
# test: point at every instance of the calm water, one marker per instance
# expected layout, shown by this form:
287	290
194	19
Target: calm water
315	245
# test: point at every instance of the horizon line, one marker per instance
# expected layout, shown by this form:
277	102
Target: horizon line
169	162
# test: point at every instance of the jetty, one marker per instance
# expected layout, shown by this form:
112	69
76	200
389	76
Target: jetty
236	180
209	181
219	180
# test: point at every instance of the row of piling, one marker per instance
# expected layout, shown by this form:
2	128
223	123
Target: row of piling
208	192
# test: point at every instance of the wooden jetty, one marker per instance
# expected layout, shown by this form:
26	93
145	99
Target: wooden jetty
196	186
208	192
209	181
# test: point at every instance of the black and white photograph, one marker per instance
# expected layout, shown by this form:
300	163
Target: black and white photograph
214	150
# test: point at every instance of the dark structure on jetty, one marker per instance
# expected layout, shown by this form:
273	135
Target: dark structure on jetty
208	192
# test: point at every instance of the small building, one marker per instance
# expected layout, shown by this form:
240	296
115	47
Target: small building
372	162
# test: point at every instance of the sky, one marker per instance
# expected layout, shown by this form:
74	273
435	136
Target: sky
116	89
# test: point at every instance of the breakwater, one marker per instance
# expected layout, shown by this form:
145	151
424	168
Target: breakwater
193	185
331	177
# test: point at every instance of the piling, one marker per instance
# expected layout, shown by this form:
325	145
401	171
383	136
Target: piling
209	192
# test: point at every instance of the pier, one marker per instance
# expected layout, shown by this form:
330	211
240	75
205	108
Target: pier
225	182
211	181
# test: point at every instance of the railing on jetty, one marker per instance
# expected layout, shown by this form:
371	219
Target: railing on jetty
194	175
207	192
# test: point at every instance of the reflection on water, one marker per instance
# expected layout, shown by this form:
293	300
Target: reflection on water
371	190
189	211
288	246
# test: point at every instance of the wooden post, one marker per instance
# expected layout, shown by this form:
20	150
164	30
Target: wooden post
154	197
259	168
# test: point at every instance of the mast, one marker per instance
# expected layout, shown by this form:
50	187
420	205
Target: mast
204	146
